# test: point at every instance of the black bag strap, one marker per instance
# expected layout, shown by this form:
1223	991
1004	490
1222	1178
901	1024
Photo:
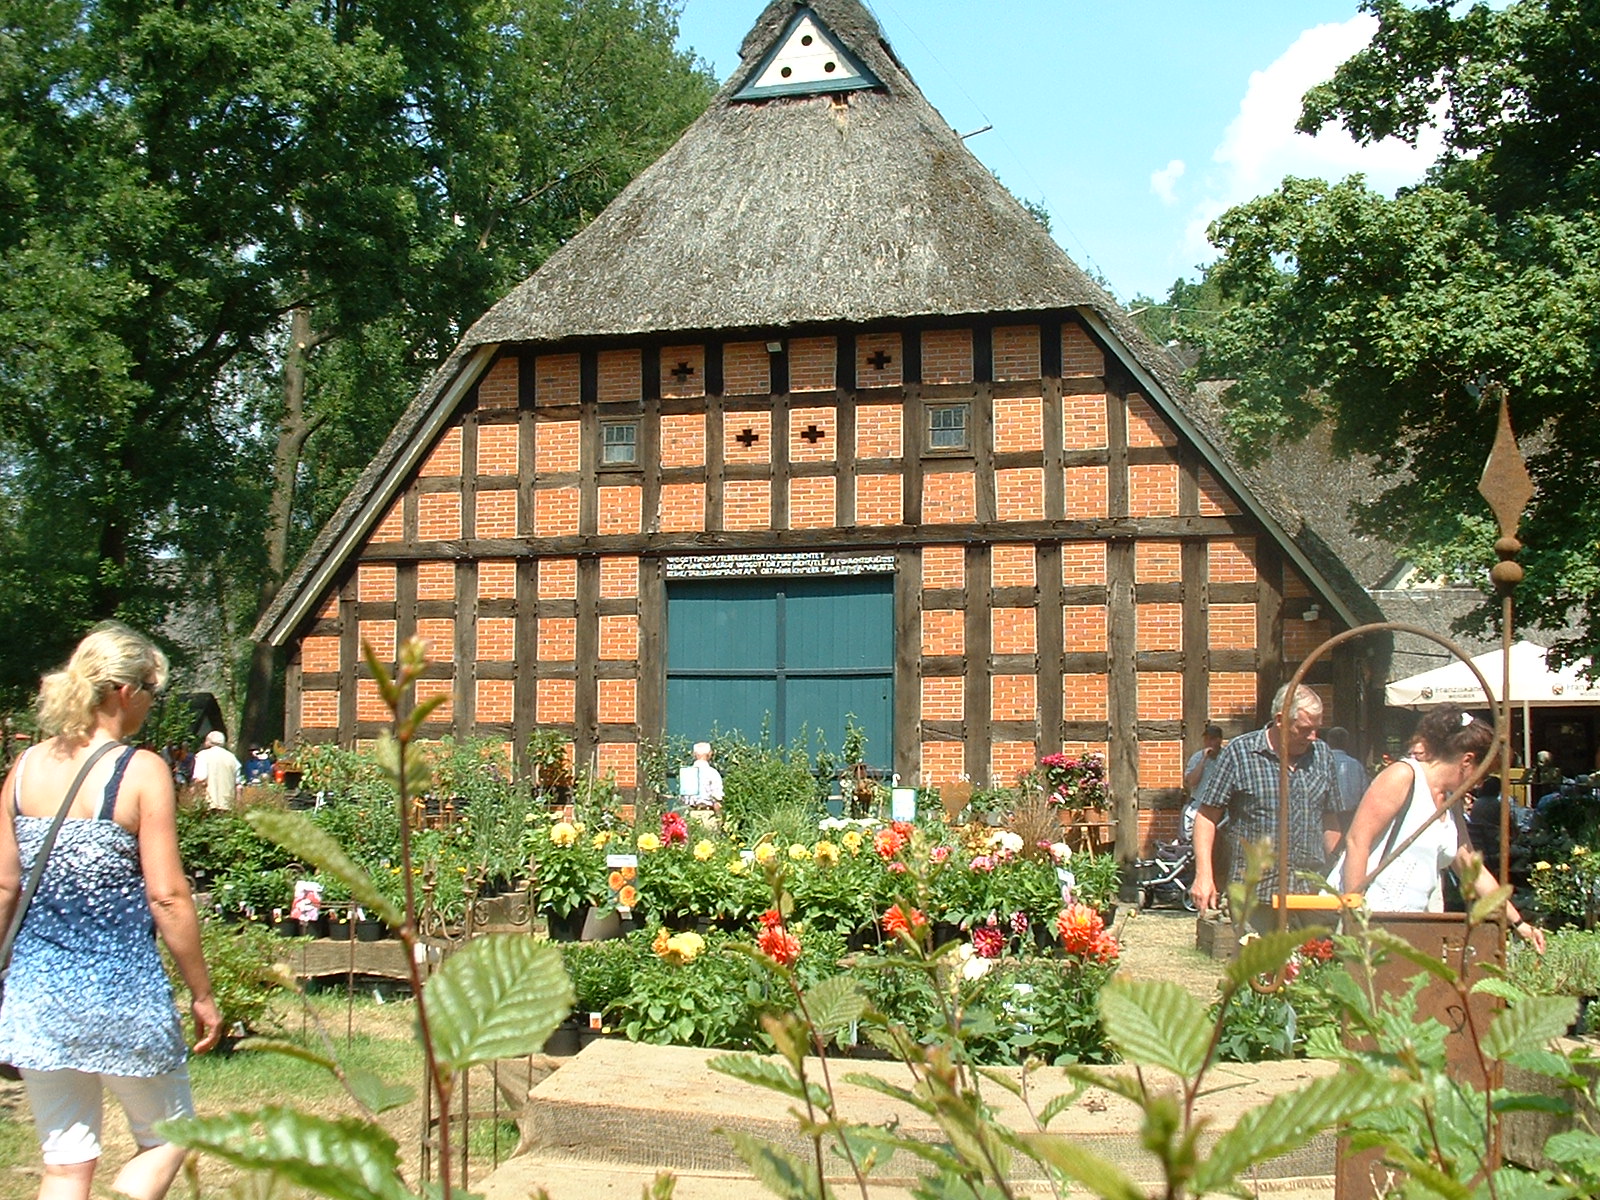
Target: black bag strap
37	872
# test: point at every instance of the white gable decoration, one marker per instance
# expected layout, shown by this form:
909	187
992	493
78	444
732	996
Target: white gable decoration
808	58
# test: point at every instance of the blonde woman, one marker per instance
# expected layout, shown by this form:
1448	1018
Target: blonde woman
87	1005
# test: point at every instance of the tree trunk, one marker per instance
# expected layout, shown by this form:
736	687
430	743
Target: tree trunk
293	430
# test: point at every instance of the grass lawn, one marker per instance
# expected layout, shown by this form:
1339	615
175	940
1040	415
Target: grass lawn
381	1040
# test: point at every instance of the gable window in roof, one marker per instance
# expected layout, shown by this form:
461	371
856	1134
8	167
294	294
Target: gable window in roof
619	443
947	427
807	58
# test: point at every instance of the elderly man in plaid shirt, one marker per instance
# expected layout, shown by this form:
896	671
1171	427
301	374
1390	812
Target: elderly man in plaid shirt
1244	785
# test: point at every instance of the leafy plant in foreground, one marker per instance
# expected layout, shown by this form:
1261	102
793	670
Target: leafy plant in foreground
499	997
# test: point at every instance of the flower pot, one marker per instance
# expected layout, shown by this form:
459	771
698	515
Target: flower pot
679	921
369	929
565	927
284	927
865	937
598	928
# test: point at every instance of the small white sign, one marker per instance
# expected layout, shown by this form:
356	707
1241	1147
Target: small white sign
903	804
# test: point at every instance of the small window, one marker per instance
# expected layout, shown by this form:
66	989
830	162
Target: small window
947	427
620	445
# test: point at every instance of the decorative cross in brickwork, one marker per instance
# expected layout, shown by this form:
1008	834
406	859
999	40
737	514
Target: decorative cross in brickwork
878	360
748	438
682	371
812	434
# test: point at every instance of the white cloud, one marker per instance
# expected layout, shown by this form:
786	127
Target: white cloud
1261	144
1162	181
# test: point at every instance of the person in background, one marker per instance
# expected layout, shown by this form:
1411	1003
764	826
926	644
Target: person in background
1349	775
701	783
87	1004
1244	788
217	768
1200	764
1410	796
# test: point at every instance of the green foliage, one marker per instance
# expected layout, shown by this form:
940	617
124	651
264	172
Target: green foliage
569	870
499	997
240	960
1569	966
758	779
1380	315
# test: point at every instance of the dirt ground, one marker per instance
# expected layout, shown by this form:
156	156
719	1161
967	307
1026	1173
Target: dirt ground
1159	944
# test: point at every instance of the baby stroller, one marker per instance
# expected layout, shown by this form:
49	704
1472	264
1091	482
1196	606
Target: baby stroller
1165	879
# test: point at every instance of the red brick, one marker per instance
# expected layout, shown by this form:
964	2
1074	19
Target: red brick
369	702
1018	424
811	503
555	447
683	508
1231	626
1083	422
497	450
1158	561
1153	489
619	637
329	608
427	689
618	761
618	376
943	763
558	578
1083	697
1010	761
1084	628
1086	493
868	345
878	431
319	710
1019	494
1083	564
948	497
747	504
498	387
878	500
1161	764
558	639
392	527
555	512
619	577
1013	631
438	516
497	579
746	369
947	356
380	636
813	364
1080	356
943	567
674	382
943	631
1146	427
1013	698
1231	560
759	424
497	513
440	634
1214	498
1012	566
556	379
1158	626
445	457
617	701
319	654
494	700
824	449
683	440
375	582
942	697
436	581
1016	352
620	509
1301	637
555	702
496	639
1160	696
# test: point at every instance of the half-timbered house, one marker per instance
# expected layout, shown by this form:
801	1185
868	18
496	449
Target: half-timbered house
813	420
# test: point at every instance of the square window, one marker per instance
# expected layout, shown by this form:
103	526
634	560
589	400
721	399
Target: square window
619	443
947	427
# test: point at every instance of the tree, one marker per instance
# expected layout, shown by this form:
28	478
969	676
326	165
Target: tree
229	228
1382	316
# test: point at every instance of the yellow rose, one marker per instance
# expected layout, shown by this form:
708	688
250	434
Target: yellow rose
563	833
799	853
765	853
704	849
826	854
852	841
649	843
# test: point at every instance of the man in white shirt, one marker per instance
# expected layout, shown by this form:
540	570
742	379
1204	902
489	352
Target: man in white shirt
217	768
701	783
1200	764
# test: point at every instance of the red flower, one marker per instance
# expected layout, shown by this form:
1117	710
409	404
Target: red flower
776	942
673	829
988	941
1083	933
1317	950
889	842
902	920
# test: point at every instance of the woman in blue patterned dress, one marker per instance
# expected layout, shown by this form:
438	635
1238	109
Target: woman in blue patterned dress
87	1005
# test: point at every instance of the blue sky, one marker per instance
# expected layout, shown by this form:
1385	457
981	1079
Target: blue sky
1134	122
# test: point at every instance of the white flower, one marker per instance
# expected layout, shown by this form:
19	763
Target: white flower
973	965
1060	851
1004	839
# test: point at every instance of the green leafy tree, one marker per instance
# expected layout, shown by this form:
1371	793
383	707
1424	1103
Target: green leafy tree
1382	316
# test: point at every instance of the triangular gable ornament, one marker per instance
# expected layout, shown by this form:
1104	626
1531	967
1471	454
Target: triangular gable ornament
808	58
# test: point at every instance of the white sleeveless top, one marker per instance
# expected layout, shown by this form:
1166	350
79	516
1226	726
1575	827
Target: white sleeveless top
1411	882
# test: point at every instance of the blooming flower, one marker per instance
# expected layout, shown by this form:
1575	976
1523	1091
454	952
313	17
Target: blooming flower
988	941
1005	841
826	854
627	895
649	843
938	854
1019	923
619	877
1317	949
1060	851
973	965
903	920
852	840
673	830
737	866
765	853
898	868
704	849
887	843
1083	933
679	948
799	853
776	942
563	833
602	839
981	862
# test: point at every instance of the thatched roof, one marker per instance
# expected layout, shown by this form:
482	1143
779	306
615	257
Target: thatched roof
855	206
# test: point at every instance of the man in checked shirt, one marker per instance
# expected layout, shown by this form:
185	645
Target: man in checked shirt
1244	785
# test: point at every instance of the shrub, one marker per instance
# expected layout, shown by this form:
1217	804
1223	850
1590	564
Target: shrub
240	960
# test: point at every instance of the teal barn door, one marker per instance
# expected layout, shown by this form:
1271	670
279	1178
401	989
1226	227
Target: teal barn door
785	654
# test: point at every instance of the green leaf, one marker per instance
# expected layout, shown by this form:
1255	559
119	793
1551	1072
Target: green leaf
873	1084
1156	1023
1576	1146
780	1171
499	997
344	1159
313	844
763	1072
375	1092
1529	1025
661	1187
418	777
1265	954
835	1003
1289	1121
1103	1178
1501	988
1059	1104
927	1151
1485	907
1001	1080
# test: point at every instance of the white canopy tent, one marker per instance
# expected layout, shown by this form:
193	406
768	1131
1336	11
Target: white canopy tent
1534	684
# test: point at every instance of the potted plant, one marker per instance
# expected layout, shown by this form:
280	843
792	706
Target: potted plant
552	773
568	870
1075	785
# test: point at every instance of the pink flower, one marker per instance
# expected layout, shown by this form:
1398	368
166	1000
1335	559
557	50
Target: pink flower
898	868
939	854
988	941
982	862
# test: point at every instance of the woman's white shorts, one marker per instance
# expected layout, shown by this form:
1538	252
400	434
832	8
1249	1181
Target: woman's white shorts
68	1108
